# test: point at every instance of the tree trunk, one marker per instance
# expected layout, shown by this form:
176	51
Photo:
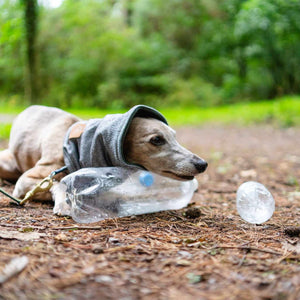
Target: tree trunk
30	16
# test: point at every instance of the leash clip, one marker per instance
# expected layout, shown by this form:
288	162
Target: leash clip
40	187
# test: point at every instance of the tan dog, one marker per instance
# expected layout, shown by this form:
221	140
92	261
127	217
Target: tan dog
36	149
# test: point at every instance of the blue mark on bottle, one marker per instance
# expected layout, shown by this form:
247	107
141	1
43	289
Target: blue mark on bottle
146	179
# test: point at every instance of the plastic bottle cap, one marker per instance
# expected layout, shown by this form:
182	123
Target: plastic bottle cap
146	179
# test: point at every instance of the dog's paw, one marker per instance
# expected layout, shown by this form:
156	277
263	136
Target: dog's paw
61	207
18	191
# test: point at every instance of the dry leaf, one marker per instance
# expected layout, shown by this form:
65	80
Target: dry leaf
248	173
183	262
22	236
62	237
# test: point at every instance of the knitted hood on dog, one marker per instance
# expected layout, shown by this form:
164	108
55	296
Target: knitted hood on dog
99	142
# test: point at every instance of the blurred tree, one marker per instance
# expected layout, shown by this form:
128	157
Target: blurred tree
30	20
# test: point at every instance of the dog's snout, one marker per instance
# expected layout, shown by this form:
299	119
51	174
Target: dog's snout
199	164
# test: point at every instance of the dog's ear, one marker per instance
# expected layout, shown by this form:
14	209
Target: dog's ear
77	130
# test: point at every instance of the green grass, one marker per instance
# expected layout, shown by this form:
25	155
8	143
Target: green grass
4	130
10	109
283	112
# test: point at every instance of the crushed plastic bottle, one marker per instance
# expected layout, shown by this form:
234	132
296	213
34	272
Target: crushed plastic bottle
254	202
95	194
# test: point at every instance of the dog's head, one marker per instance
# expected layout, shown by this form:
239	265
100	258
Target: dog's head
153	145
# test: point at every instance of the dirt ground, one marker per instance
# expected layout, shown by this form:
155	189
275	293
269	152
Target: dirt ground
205	251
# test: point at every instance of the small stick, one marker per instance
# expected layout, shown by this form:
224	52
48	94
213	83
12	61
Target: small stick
248	249
77	228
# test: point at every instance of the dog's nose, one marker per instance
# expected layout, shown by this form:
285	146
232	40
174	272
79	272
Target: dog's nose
199	164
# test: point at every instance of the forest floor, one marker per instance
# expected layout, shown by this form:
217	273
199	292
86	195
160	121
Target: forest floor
204	251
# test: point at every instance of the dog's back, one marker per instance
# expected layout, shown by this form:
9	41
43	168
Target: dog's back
39	132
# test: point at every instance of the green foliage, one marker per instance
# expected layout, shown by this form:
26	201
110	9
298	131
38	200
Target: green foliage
115	54
270	31
179	27
11	47
99	60
193	92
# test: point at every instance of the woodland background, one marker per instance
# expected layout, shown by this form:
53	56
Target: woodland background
117	53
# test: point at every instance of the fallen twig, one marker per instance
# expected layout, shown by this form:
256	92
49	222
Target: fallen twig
121	248
248	248
221	191
77	228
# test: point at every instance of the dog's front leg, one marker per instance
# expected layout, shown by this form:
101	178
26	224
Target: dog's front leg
31	178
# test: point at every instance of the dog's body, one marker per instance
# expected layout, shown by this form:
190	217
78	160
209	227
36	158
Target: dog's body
36	149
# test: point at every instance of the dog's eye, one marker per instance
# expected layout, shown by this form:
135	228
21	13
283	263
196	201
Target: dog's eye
157	141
